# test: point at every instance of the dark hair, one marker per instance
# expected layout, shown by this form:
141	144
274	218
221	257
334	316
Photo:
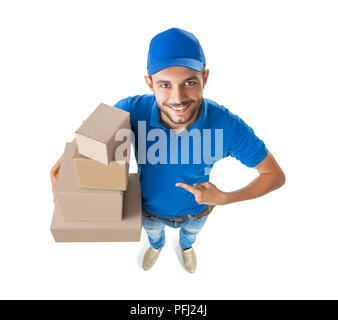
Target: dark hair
203	73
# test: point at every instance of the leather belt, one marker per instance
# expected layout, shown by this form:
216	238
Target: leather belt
204	213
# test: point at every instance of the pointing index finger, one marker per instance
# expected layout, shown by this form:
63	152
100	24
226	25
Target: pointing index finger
185	186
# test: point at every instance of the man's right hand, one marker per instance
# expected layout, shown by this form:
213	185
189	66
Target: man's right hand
54	175
55	172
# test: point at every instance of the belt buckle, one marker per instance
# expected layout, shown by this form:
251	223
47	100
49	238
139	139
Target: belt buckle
179	219
176	219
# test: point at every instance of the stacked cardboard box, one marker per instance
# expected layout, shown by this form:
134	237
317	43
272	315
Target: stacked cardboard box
96	197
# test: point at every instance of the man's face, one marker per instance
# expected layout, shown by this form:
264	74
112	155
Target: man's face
178	92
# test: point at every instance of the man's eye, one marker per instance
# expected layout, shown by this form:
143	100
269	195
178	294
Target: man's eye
188	83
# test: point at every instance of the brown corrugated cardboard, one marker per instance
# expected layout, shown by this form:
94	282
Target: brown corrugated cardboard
95	175
96	136
129	229
84	204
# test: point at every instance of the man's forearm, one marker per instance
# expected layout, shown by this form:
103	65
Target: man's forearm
263	184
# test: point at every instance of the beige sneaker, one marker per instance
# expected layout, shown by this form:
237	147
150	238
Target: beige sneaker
150	257
189	258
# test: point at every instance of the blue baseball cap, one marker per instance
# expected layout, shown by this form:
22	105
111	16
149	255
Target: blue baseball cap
175	47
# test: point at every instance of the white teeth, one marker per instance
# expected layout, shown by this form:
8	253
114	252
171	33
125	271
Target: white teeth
181	108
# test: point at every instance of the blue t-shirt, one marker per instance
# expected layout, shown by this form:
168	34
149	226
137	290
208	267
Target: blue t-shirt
164	159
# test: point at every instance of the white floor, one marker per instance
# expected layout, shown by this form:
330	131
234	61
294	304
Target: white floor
270	247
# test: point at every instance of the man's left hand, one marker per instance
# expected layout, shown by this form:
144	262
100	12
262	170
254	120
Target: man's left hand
205	193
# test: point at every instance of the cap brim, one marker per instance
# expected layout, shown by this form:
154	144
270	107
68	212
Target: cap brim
176	62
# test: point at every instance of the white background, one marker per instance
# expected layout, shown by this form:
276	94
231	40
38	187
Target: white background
274	63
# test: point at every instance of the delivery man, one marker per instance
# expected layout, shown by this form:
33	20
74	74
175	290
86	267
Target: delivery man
174	180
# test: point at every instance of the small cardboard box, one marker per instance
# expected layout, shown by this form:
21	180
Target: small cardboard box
129	229
96	137
92	174
84	204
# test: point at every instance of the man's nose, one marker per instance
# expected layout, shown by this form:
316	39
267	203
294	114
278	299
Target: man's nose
177	95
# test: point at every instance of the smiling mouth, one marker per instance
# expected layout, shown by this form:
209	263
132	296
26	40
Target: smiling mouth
180	109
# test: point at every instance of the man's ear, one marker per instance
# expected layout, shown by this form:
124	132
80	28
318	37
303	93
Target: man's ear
205	78
149	82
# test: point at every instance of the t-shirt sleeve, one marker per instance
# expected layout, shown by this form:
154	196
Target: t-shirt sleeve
244	144
124	104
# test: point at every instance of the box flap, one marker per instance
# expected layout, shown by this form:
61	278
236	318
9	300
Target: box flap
104	122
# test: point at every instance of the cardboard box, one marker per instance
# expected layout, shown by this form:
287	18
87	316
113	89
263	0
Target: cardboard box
96	136
92	174
84	204
129	229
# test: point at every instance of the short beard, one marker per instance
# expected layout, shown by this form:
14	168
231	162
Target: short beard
197	110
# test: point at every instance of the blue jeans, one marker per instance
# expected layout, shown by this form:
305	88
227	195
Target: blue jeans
189	229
